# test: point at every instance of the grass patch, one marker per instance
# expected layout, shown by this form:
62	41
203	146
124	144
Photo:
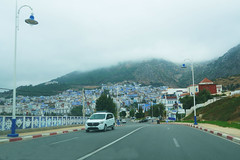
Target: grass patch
223	123
226	109
229	124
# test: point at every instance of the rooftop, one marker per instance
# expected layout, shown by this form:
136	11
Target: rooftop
206	81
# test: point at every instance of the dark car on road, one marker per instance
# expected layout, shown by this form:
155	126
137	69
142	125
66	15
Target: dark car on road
143	120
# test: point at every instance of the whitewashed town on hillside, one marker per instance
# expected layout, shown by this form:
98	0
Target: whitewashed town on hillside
123	94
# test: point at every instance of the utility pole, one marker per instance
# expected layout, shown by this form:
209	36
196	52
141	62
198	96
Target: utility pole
118	117
83	99
152	108
166	104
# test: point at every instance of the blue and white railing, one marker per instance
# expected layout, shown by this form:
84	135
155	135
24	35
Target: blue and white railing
27	122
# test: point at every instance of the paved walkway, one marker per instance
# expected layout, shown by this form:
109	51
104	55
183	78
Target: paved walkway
230	131
226	130
59	130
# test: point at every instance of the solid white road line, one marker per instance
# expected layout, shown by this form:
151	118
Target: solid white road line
176	142
98	150
64	140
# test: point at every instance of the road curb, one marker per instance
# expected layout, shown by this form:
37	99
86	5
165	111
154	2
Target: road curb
220	134
38	135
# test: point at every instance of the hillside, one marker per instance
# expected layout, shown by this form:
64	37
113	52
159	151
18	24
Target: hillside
160	72
225	66
229	83
155	72
227	109
152	72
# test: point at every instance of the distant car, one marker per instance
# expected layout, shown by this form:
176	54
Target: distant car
100	121
143	120
148	117
124	121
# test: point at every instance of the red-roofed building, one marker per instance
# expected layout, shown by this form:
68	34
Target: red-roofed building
208	85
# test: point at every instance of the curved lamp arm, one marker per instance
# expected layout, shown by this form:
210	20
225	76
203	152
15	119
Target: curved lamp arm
30	21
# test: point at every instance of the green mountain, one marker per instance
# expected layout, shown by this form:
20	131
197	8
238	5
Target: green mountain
151	72
155	72
225	66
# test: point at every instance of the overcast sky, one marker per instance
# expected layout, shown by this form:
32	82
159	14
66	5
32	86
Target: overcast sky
88	34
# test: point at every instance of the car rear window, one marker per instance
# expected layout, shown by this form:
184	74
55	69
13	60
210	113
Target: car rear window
97	116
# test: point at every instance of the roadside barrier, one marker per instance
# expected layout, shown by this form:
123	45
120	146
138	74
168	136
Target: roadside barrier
27	122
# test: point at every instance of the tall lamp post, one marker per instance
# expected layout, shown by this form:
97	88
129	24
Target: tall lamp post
30	21
194	101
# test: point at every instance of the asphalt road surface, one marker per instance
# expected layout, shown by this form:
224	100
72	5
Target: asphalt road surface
132	141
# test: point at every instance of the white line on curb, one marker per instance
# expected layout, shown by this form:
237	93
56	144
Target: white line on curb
235	139
27	137
98	150
4	140
45	134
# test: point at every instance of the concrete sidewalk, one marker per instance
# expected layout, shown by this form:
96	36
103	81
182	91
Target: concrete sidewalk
232	134
226	130
37	134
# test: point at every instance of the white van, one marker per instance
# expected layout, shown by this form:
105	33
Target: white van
100	121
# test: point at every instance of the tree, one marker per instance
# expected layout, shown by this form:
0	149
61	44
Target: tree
158	110
140	113
123	114
133	106
187	102
105	103
132	112
162	109
1	103
203	96
77	111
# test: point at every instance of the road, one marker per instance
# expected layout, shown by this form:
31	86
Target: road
131	141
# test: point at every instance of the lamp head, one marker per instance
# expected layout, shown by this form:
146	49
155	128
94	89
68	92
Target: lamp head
31	20
184	66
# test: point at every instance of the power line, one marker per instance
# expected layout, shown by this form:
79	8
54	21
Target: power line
6	89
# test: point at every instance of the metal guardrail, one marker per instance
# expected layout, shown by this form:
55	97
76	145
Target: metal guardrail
27	122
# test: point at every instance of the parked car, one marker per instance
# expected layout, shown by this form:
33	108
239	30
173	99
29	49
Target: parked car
100	121
124	121
143	120
148	117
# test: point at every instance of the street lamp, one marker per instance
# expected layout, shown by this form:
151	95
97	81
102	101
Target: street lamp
194	101
29	21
